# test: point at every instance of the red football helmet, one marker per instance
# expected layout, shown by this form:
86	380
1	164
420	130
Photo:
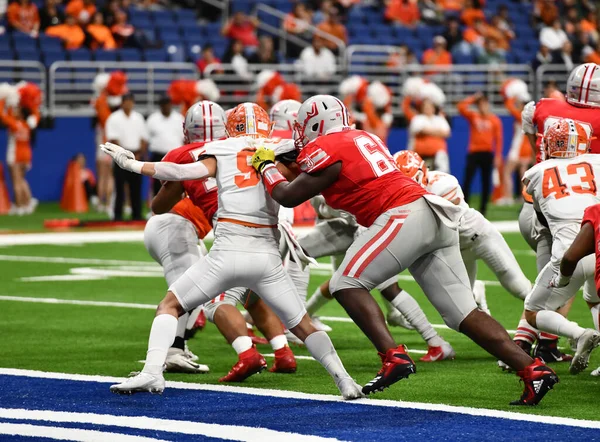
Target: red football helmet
412	165
566	139
249	119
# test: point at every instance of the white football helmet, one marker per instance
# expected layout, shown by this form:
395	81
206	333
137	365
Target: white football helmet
204	121
583	86
317	116
284	113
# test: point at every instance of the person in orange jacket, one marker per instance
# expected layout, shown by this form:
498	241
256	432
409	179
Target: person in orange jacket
485	144
70	33
101	36
82	10
18	156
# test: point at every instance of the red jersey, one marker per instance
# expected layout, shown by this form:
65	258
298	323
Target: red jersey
203	193
549	110
369	182
592	216
284	134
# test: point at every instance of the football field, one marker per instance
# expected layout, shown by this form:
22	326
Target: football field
69	306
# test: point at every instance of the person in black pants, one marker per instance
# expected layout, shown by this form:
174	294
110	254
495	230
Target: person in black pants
484	161
127	128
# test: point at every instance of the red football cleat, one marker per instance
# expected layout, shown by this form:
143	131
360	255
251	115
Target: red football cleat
250	362
200	321
539	380
257	340
397	365
285	362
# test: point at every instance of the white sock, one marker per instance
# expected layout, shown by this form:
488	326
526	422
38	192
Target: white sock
316	301
300	278
278	342
162	335
242	344
320	347
556	323
526	332
182	324
410	309
595	311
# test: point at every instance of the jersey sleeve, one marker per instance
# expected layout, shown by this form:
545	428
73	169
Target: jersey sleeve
445	186
591	215
313	158
531	179
218	148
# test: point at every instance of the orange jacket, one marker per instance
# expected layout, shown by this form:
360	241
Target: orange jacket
406	13
486	130
23	18
469	16
337	30
102	37
81	12
72	36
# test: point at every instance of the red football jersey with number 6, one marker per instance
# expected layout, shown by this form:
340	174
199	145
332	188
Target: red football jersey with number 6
369	183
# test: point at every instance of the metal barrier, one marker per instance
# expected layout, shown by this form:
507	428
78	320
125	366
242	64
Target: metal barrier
71	83
31	71
551	72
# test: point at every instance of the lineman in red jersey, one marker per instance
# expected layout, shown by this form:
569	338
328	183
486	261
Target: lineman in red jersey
407	228
170	242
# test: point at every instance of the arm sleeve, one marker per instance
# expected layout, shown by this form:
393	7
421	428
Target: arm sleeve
180	172
313	158
409	113
530	179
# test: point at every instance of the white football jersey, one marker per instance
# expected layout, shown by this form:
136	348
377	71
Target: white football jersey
563	188
447	186
242	195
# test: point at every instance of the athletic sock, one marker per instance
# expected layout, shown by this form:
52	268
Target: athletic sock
321	348
162	335
242	344
595	311
556	323
410	309
316	301
278	342
525	332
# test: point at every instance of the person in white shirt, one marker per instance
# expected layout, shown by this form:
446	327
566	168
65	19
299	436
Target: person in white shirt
164	133
553	37
128	128
317	61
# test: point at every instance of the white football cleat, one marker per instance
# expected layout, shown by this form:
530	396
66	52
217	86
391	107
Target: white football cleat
178	362
504	366
142	382
319	325
293	339
588	341
349	389
596	372
480	299
440	353
397	319
189	354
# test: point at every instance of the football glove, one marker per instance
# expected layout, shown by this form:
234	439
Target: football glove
262	157
122	157
559	280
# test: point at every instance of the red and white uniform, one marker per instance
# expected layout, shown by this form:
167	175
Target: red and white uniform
592	216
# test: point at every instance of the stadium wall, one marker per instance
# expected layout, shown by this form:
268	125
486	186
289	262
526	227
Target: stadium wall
53	148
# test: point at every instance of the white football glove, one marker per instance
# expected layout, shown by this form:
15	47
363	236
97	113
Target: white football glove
559	280
123	157
527	118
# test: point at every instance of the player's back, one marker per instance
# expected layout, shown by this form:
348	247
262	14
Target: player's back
549	110
447	186
563	188
369	182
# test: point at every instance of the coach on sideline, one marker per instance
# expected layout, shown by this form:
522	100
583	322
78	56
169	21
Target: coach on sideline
165	133
127	128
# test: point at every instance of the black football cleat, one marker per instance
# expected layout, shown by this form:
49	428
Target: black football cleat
397	365
547	350
539	380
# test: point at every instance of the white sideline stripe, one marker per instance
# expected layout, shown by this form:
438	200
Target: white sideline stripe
302	357
64	238
69	433
551	420
63	260
228	432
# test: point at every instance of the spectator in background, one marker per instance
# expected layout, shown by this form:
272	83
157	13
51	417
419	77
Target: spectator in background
82	10
589	25
564	56
453	34
571	21
504	21
243	28
265	53
297	23
438	55
164	133
472	12
101	37
402	58
431	13
546	11
485	145
208	58
543	56
23	16
553	37
475	35
452	5
551	91
127	128
320	15
235	56
123	32
110	10
503	37
335	28
402	12
317	61
428	132
70	33
591	54
50	15
492	54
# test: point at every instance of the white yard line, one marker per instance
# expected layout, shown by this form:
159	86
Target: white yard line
511	415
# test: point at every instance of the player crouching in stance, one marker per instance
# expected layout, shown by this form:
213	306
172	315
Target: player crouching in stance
406	228
562	187
245	252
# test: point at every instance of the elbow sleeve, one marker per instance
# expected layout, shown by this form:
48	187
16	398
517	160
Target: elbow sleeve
180	172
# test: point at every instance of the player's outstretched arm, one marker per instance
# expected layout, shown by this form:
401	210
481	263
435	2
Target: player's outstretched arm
582	246
169	194
161	170
303	188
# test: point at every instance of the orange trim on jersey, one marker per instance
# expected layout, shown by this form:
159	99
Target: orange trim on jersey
246	224
528	198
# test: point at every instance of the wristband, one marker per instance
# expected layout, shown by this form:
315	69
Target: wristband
271	177
135	166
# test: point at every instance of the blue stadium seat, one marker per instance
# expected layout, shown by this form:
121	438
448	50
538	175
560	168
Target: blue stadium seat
24	44
80	55
141	22
28	55
105	55
171	39
4	42
156	55
176	53
50	44
461	58
137	14
163	17
51	57
6	54
129	54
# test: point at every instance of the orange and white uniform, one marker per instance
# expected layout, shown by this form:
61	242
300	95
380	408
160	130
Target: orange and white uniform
19	138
